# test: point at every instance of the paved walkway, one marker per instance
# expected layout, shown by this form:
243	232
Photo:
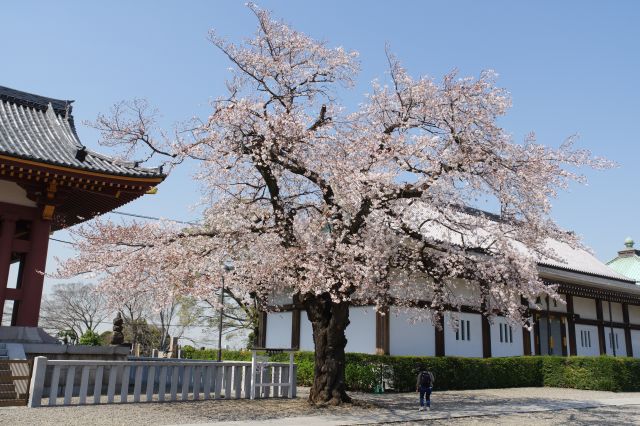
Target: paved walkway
469	404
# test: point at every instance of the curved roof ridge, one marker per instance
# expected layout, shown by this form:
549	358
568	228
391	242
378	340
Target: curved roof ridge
32	100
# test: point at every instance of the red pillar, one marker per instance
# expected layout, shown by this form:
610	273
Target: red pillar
32	279
6	240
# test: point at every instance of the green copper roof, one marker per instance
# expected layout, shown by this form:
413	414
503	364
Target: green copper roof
628	261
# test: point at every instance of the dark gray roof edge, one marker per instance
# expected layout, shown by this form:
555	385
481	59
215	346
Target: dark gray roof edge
35	101
136	172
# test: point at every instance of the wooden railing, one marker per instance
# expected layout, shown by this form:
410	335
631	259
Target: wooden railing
78	382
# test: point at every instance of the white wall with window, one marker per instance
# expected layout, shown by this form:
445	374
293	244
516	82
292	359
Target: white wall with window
361	332
587	340
584	307
279	329
466	339
408	336
506	340
615	338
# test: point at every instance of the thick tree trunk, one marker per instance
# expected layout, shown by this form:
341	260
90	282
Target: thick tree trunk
329	321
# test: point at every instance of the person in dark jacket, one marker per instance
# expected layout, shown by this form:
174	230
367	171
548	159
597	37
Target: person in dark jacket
424	385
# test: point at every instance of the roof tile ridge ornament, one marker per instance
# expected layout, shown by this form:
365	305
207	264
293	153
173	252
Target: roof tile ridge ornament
59	121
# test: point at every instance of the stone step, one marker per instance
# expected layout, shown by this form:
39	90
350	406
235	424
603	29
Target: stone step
4	395
13	402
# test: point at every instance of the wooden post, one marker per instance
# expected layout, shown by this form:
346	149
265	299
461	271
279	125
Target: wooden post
295	328
627	330
536	332
36	387
6	240
262	329
439	328
382	332
601	336
486	337
573	348
32	279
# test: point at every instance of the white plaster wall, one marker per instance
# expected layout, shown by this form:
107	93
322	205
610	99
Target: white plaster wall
586	308
280	298
306	333
361	332
635	343
471	293
467	348
594	350
499	349
11	193
409	338
616	311
279	329
634	314
621	349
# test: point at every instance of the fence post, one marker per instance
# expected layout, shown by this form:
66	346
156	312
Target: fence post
292	378
254	364
36	387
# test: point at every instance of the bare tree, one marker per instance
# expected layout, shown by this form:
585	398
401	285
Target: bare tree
76	306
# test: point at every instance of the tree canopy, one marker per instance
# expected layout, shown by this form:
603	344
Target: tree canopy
308	198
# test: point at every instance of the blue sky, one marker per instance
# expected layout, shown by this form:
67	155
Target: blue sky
571	67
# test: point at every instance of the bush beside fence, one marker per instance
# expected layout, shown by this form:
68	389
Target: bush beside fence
363	371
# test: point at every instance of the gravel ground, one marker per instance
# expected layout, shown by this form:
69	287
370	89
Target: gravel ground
507	406
622	415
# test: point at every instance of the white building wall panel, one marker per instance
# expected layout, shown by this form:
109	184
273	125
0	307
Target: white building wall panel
635	343
587	343
361	332
471	345
617	340
584	307
505	340
11	193
306	333
634	314
616	311
279	329
407	337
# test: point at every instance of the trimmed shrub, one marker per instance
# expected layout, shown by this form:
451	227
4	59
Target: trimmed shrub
363	372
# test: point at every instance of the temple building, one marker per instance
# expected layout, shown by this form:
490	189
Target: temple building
627	262
601	316
49	181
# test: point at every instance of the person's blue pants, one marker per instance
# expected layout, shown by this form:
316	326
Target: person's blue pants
425	391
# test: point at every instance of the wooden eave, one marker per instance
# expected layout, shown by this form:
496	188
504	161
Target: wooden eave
78	195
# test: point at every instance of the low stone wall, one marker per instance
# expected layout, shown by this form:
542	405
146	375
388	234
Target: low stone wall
97	353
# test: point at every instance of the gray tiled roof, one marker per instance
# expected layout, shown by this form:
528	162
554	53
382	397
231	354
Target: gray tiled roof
37	128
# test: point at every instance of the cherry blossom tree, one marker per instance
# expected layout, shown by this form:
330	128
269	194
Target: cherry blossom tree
336	206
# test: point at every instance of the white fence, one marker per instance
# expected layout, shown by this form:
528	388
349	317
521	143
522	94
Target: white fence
79	382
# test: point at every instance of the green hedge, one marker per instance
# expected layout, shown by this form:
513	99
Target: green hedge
363	372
